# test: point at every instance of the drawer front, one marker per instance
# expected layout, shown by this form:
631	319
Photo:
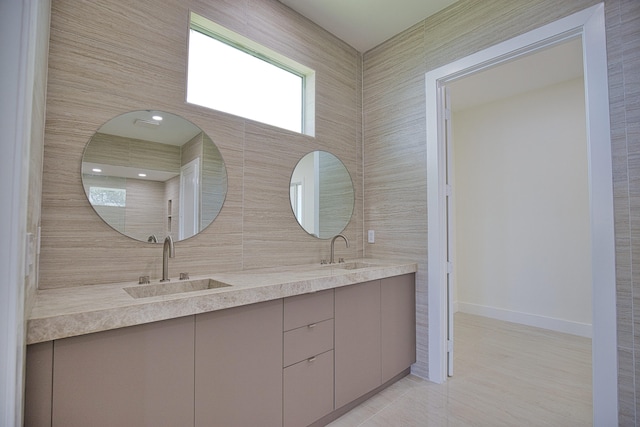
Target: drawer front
302	310
307	341
308	390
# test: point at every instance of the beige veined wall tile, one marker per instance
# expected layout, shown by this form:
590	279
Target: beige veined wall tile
112	57
394	118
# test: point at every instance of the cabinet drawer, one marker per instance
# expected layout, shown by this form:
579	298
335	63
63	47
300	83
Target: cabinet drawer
303	310
308	390
307	341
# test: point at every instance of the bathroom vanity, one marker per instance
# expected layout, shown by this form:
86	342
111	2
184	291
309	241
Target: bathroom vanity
291	346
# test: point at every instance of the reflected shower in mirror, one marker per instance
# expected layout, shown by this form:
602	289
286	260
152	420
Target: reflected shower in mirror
321	194
150	174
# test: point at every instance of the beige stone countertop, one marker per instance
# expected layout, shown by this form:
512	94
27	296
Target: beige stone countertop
66	312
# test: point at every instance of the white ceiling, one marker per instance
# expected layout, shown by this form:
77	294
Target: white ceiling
550	66
364	24
172	129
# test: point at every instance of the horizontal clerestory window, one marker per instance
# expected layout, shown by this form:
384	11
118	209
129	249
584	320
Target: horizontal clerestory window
233	74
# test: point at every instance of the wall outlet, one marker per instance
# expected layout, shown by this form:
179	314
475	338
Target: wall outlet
371	236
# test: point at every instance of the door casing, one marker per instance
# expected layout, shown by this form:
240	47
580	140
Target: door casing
589	25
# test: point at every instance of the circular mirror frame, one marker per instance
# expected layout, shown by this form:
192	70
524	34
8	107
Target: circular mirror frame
335	197
129	134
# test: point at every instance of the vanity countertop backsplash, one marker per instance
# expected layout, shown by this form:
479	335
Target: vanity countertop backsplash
66	312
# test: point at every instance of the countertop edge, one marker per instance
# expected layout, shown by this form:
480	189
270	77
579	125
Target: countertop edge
60	325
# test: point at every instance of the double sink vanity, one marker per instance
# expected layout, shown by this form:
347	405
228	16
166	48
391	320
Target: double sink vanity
281	346
286	346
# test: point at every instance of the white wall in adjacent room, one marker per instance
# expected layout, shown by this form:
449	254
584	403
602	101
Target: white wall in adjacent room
522	228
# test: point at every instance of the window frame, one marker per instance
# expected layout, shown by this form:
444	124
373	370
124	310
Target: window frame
211	29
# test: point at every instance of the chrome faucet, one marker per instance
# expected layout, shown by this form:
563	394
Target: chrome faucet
167	252
333	241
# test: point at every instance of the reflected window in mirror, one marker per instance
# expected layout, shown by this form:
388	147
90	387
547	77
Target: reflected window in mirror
321	194
233	74
150	174
100	196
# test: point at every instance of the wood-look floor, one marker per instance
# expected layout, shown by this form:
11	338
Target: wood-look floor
505	375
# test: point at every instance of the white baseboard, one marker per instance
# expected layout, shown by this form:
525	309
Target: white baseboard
558	325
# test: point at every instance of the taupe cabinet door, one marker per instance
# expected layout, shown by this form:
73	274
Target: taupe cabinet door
398	308
239	366
38	384
357	341
136	376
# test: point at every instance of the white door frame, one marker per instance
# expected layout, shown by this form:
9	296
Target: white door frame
589	25
20	24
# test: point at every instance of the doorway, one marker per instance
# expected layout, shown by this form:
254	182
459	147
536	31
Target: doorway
589	26
519	228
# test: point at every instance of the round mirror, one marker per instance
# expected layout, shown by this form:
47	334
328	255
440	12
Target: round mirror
321	194
150	174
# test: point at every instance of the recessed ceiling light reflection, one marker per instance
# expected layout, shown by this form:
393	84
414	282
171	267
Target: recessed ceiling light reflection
157	118
96	170
142	175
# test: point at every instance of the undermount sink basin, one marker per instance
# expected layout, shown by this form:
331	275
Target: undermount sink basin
352	265
174	287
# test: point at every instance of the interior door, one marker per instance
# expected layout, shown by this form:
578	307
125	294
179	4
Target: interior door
189	199
446	98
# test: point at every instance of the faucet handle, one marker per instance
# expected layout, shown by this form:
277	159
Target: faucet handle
340	260
323	261
184	276
143	280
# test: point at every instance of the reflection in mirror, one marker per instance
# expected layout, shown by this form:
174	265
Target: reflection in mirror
149	174
321	194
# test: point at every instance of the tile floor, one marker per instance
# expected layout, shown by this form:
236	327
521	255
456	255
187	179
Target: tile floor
505	375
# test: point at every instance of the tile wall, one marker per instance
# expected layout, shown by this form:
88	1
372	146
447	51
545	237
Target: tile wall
110	57
395	144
